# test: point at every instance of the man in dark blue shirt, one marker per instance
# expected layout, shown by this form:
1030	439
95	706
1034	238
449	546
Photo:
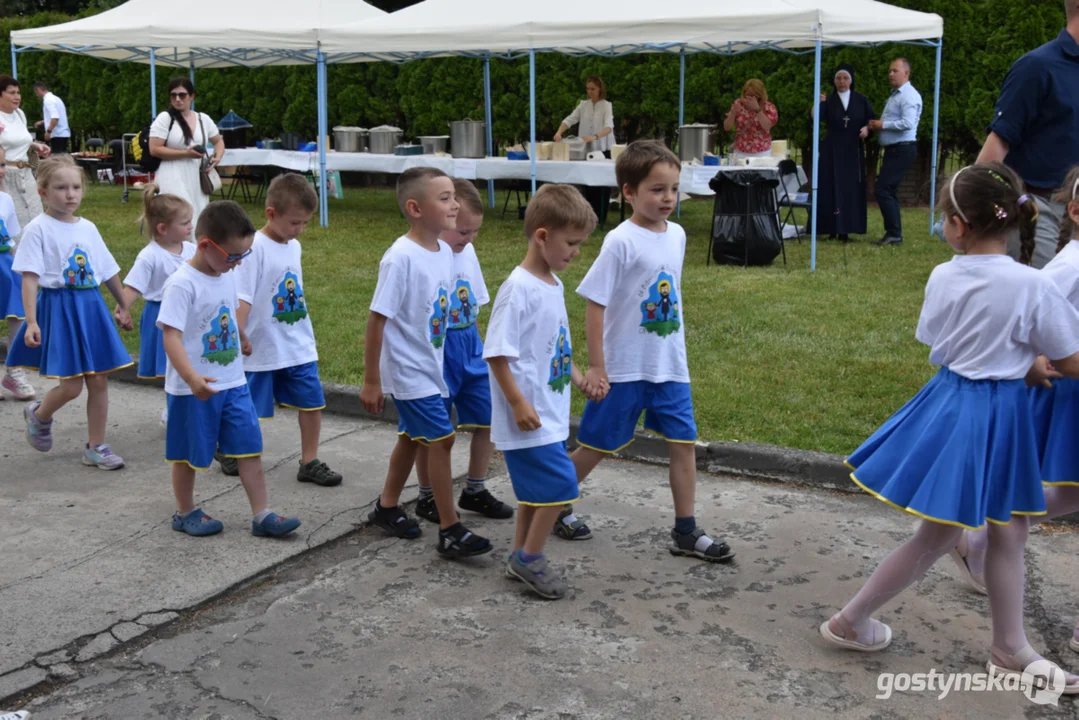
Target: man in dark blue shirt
1035	128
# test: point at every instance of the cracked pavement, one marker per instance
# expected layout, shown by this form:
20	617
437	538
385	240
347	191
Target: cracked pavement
376	627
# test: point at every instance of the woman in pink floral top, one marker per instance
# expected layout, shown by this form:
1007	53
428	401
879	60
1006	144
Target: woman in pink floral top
754	117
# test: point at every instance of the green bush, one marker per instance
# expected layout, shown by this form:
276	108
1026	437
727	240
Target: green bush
982	39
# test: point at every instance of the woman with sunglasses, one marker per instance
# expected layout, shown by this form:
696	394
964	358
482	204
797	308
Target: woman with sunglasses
181	138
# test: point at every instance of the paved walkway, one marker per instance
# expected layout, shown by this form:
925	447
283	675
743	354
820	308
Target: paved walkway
375	627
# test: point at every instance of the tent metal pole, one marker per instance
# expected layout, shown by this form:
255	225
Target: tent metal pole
816	155
14	63
153	85
532	114
933	162
323	200
490	134
681	111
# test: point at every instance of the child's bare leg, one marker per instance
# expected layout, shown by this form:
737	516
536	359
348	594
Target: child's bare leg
585	461
254	482
683	477
543	519
183	487
310	430
12	330
438	469
401	462
480	452
525	516
422	459
59	396
97	407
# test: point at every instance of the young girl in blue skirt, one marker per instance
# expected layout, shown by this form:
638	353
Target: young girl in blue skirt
68	334
1056	409
962	453
168	220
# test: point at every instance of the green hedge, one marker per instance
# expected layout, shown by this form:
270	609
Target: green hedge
982	39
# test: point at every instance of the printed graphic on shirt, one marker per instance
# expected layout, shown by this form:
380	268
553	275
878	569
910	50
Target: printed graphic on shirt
221	343
659	309
79	275
439	319
462	306
288	303
561	362
5	237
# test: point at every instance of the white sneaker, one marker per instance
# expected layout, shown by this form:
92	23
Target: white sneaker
15	382
165	417
15	715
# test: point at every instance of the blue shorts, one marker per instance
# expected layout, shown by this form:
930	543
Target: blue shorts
199	427
465	373
424	420
543	475
608	426
296	387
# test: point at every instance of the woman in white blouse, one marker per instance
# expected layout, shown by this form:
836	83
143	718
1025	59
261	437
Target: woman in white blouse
595	116
181	137
16	140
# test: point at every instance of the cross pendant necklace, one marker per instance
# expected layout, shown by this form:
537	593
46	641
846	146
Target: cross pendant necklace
845	120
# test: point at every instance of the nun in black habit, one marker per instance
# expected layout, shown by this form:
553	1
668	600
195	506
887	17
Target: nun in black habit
842	196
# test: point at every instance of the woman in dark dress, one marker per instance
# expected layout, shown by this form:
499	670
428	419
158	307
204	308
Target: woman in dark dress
842	195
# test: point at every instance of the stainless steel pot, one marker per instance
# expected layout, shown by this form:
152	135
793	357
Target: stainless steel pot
578	148
384	139
349	139
467	139
696	140
434	143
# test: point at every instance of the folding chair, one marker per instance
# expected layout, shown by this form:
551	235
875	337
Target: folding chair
516	187
784	199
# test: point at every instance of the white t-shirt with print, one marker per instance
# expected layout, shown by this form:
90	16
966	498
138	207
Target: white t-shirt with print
203	308
638	279
986	317
413	293
468	291
270	280
61	254
529	327
153	266
9	223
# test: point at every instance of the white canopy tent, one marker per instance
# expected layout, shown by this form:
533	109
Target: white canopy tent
494	28
205	34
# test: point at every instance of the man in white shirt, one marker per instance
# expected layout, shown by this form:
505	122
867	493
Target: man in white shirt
57	131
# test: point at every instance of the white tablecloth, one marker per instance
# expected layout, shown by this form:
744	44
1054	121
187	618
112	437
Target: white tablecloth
598	173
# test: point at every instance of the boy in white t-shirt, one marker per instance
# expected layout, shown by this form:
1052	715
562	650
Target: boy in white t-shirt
464	370
403	357
282	368
531	358
209	402
636	341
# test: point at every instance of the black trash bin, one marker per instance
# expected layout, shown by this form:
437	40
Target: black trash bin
745	220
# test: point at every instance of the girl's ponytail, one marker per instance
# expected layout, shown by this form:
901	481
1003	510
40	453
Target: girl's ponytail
159	208
1066	195
1028	224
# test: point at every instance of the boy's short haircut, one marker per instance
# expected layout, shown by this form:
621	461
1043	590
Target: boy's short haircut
468	196
222	222
638	159
412	183
291	190
557	207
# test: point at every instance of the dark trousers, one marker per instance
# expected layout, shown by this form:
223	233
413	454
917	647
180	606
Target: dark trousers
897	161
58	145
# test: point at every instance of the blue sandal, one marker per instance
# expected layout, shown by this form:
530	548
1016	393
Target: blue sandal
196	523
274	525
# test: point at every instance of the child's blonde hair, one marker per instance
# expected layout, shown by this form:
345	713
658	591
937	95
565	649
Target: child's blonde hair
1066	195
468	196
47	168
160	208
557	207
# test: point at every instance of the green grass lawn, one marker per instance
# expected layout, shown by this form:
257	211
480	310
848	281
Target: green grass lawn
778	355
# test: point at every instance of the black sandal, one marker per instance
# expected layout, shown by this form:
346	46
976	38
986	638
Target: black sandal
469	544
395	522
686	545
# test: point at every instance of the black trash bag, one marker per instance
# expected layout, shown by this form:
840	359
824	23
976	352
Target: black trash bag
745	223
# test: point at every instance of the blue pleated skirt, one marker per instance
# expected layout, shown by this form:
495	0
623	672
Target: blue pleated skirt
78	336
10	288
1056	428
960	452
151	343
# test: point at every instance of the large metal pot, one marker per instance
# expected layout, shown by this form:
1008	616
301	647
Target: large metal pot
384	139
578	148
349	139
467	139
696	140
434	143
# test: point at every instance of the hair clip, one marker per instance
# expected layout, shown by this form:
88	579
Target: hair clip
1000	212
998	177
1075	189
